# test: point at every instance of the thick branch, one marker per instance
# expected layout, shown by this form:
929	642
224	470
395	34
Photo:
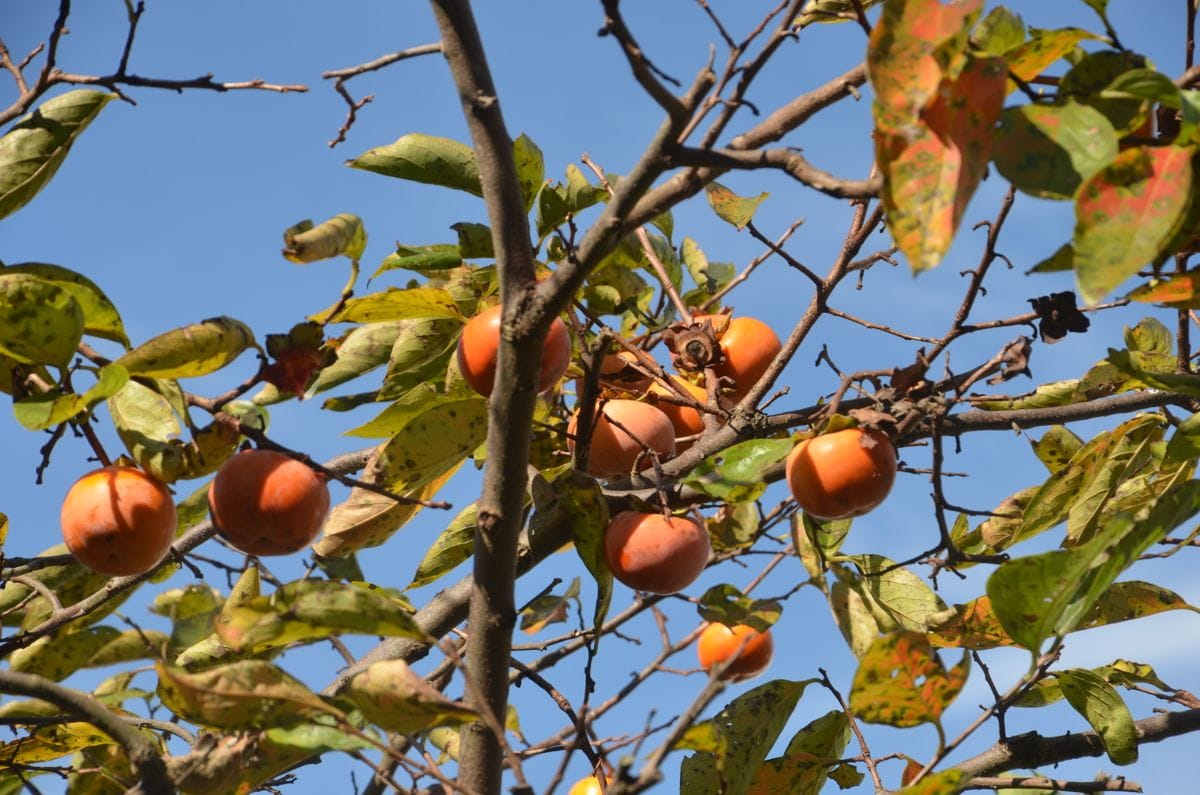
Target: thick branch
147	763
1035	751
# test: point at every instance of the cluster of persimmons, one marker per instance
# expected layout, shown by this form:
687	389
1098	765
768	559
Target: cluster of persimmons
119	520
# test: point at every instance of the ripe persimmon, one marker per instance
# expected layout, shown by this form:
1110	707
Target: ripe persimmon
266	503
686	420
748	345
750	649
613	451
651	552
118	520
479	346
842	474
586	786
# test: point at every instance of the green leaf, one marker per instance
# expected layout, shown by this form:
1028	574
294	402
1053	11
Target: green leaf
932	167
1090	77
432	441
425	158
398	304
1185	442
316	738
1043	48
550	608
312	609
1150	371
452	547
560	201
734	743
725	604
40	321
341	234
1049	150
52	408
531	168
731	208
895	590
34	148
100	317
243	695
390	695
149	428
1146	84
804	766
736	474
1098	702
1126	213
854	618
422	259
901	682
1056	448
1056	393
189	351
359	351
417	401
1049	594
735	526
999	32
948	782
708	276
829	11
1063	259
474	240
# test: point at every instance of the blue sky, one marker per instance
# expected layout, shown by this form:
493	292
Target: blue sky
176	208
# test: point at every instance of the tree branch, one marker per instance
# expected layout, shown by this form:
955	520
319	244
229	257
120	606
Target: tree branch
147	763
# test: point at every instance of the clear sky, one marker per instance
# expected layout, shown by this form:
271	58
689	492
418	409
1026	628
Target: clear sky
176	208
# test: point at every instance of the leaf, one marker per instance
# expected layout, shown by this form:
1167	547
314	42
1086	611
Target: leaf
576	500
907	57
417	401
531	168
40	321
1098	702
368	519
474	240
1126	213
193	350
804	766
1049	594
52	742
999	32
100	317
390	695
34	148
948	782
1185	442
741	734
1063	259
735	526
1176	291
44	411
398	304
341	234
1056	448
425	158
317	738
1089	78
548	609
452	547
931	172
901	682
895	590
431	443
560	201
827	11
243	695
1043	48
191	611
731	208
1056	393
972	626
148	427
1049	150
725	604
422	259
736	474
312	609
1125	601
854	618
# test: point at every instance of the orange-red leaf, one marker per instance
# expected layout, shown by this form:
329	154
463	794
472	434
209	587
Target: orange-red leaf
1178	292
1043	48
930	176
974	626
1126	214
901	682
908	56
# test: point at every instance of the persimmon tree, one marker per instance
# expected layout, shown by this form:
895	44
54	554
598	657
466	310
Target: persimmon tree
957	93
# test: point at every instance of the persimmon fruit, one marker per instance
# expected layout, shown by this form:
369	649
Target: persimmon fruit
118	520
586	786
686	421
613	451
266	503
479	347
750	650
747	347
842	474
653	553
